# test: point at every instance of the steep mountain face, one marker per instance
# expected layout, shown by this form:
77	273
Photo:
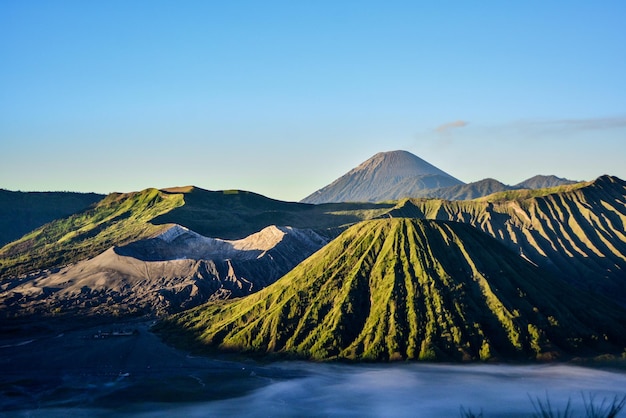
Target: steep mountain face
21	212
385	176
175	270
398	289
577	232
542	182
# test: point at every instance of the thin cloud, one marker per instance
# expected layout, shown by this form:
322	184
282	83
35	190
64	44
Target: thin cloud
590	124
551	126
451	125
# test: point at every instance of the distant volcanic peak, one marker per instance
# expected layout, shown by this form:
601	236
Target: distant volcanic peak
543	181
398	164
385	176
411	289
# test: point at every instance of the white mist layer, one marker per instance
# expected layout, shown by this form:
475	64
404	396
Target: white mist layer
409	390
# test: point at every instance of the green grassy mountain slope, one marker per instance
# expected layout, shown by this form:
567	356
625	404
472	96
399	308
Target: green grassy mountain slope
122	218
576	231
21	212
408	289
115	220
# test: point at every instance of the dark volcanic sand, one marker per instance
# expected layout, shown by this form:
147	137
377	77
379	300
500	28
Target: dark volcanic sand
63	365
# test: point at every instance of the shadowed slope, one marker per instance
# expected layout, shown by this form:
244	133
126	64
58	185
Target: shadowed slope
466	191
234	214
576	231
408	289
21	212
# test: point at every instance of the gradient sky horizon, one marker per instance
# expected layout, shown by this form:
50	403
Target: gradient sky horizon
282	97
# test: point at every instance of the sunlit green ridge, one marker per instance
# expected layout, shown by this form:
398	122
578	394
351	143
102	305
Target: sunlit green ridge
122	218
409	289
117	219
576	231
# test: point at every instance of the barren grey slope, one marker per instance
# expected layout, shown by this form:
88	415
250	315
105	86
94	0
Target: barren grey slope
175	270
385	176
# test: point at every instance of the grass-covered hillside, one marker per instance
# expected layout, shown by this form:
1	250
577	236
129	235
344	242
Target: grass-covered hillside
115	220
122	218
397	289
576	231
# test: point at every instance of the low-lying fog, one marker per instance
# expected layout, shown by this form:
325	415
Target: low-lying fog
410	391
137	376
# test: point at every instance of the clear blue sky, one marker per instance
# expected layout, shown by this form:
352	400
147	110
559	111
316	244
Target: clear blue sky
283	97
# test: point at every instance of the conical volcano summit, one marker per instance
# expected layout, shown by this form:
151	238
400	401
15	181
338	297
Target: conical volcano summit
385	176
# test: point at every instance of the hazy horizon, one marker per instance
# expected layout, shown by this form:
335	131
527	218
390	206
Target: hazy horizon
282	98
